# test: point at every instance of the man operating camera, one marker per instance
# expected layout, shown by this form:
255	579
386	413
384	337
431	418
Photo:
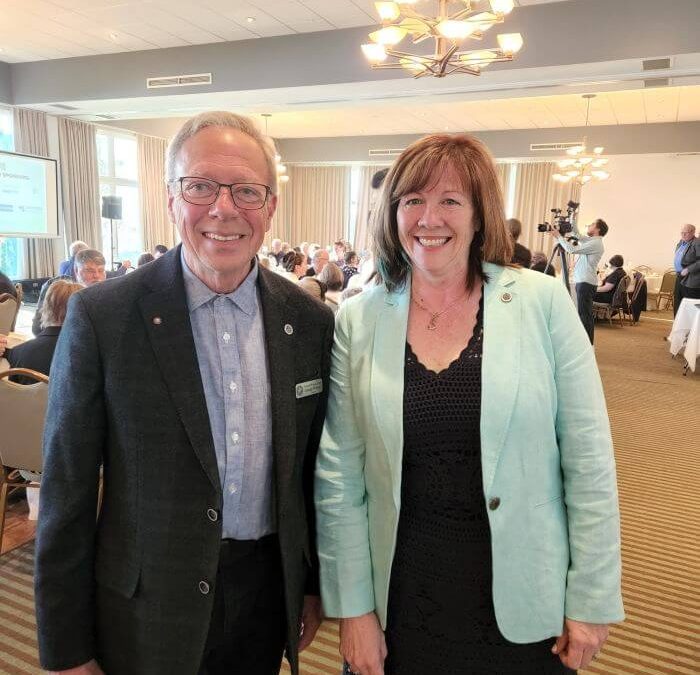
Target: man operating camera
589	249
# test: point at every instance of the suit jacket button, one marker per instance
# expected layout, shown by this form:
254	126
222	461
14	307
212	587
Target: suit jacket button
204	588
212	515
494	503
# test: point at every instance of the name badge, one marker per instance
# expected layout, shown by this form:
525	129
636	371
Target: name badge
309	388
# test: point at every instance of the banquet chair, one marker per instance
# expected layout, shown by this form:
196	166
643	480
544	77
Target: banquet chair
620	305
22	413
644	269
9	308
668	283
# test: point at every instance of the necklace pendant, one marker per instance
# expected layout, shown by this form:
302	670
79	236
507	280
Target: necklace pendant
432	324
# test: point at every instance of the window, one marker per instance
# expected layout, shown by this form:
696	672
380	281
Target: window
11	249
117	161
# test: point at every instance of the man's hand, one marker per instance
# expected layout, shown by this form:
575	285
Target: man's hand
362	644
684	272
311	617
580	643
89	668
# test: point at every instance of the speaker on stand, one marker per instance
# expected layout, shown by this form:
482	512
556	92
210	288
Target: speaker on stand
112	209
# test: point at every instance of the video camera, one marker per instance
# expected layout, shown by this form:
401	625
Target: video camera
564	224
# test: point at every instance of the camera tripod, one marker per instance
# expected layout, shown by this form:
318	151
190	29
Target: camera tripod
559	249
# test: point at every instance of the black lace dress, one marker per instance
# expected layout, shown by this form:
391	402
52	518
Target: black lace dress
440	616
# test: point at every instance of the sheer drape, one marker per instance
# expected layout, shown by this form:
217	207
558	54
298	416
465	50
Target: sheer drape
314	205
157	228
535	194
31	138
503	171
361	238
80	182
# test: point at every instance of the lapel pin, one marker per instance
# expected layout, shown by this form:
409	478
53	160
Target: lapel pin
288	329
506	297
157	320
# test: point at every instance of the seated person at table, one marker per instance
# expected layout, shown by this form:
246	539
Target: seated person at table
605	292
89	269
540	263
37	354
6	285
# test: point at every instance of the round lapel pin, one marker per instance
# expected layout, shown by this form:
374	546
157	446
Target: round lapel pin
157	320
288	329
506	297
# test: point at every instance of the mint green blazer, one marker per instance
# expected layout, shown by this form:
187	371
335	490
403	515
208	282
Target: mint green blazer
546	449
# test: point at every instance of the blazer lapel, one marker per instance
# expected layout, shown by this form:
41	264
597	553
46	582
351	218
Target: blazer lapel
167	322
280	319
500	363
387	378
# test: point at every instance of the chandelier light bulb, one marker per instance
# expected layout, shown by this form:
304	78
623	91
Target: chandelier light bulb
455	30
390	35
598	150
388	11
413	66
374	53
510	43
601	175
601	161
281	168
502	6
481	58
585	179
284	179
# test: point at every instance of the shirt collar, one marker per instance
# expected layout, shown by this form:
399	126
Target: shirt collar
198	293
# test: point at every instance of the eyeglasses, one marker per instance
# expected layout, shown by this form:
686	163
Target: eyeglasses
204	192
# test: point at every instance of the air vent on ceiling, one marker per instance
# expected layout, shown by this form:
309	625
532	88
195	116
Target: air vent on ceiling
388	152
61	106
548	147
656	64
106	117
178	81
656	82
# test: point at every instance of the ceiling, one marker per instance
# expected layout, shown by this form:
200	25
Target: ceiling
35	30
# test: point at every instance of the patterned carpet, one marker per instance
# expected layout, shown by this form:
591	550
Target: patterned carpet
654	414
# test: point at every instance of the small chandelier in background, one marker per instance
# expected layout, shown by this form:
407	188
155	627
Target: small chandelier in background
282	176
582	167
448	31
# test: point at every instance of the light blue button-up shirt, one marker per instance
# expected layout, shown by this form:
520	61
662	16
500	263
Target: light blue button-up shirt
229	337
680	252
589	251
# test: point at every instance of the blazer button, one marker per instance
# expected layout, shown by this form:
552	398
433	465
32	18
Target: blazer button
494	503
204	588
212	515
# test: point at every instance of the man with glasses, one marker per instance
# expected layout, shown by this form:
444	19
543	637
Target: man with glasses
199	384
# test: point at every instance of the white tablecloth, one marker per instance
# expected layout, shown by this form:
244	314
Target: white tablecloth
686	329
653	283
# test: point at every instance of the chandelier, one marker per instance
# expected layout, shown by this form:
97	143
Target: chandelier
448	31
583	167
282	176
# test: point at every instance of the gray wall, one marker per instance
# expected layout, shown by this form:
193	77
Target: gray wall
578	31
617	140
5	83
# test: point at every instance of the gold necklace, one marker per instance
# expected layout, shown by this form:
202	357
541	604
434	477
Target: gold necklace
434	316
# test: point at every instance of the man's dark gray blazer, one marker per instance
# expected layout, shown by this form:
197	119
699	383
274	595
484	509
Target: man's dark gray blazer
126	392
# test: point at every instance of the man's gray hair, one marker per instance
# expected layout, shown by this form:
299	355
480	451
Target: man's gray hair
221	119
77	246
89	255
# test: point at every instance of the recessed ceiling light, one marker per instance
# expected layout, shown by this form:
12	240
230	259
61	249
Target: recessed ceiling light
250	19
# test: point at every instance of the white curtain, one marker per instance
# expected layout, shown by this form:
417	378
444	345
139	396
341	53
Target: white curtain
157	228
503	171
365	202
31	138
314	205
80	182
535	194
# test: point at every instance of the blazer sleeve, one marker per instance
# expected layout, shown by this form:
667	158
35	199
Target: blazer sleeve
593	591
65	546
341	499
